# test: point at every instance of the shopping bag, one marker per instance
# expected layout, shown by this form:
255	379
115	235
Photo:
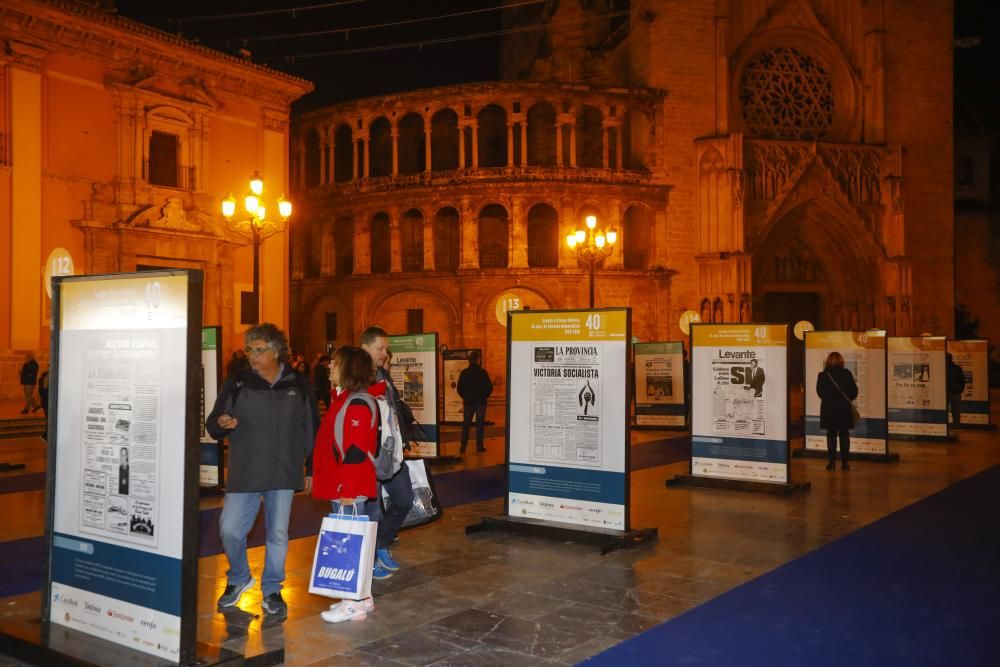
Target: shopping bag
426	507
345	554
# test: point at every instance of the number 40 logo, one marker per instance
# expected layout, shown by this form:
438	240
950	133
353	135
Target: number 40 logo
594	321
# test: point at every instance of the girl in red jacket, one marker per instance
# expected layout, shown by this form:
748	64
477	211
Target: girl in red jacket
352	479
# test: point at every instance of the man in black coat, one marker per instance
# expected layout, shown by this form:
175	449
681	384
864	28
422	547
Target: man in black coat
29	378
955	385
474	387
837	389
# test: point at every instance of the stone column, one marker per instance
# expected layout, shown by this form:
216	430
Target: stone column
469	227
302	166
615	261
427	149
572	144
323	159
366	150
328	253
518	235
567	224
395	150
23	254
559	144
362	243
605	158
331	172
524	143
428	244
618	147
461	146
395	246
475	145
510	144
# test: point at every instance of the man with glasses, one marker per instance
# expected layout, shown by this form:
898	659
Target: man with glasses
269	414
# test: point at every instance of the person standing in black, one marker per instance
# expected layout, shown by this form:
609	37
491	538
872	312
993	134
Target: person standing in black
955	385
29	378
837	389
321	379
474	387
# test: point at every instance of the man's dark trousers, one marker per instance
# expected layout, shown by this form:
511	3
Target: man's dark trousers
390	521
480	412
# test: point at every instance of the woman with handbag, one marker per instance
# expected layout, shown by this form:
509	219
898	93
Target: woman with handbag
837	414
343	472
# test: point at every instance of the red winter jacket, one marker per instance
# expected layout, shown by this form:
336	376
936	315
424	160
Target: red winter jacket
355	475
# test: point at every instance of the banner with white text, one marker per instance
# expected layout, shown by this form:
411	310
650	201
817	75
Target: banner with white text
739	401
973	357
918	398
659	384
118	506
567	408
864	356
414	372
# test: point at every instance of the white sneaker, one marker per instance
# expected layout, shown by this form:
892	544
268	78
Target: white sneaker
368	602
348	610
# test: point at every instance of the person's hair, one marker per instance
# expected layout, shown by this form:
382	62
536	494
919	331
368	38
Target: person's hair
754	361
947	356
357	371
369	335
322	358
270	334
834	360
474	358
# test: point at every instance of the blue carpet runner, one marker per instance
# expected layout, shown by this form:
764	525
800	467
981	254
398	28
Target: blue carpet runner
918	587
21	560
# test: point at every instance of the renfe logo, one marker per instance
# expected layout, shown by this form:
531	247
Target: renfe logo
148	624
339	574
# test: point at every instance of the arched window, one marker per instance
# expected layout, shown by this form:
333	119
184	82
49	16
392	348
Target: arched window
411	240
493	235
542	134
314	154
381	244
343	242
444	140
446	239
637	238
412	144
543	236
589	138
343	154
380	147
492	136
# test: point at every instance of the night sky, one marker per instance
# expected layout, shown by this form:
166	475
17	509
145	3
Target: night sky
343	76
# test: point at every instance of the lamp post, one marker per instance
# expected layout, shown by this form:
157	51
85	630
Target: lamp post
591	245
256	227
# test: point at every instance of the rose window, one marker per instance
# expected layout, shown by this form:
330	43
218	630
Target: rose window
787	94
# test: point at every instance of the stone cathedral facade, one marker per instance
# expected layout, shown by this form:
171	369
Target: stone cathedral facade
762	160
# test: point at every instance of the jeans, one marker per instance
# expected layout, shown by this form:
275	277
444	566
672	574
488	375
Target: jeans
29	397
239	510
845	444
400	494
480	412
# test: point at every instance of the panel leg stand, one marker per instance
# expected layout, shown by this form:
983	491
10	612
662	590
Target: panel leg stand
891	457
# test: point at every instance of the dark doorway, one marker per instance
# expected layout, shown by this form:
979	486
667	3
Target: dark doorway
789	308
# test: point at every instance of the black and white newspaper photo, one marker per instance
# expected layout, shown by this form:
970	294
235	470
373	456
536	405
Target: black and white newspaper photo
739	404
566	396
121	435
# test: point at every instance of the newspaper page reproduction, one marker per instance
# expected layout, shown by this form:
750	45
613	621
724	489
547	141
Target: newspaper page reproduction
121	435
911	380
565	394
408	376
739	403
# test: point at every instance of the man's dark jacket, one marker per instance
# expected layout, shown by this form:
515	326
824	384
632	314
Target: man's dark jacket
474	385
29	372
274	437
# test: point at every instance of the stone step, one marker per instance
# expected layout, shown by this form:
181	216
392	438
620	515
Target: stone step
25	427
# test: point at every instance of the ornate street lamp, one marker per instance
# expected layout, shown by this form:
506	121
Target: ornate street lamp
256	227
591	246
